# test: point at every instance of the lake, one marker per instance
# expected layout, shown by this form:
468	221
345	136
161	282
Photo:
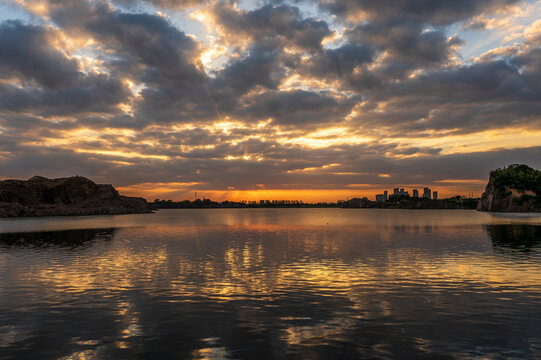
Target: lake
272	284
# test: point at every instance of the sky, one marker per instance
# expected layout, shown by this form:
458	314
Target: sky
313	100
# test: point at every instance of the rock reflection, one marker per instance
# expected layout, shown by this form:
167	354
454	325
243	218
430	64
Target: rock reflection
64	238
521	237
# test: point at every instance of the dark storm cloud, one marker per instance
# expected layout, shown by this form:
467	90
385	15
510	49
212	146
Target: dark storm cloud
269	30
166	4
149	50
298	108
94	94
529	62
402	31
440	12
484	95
271	21
406	47
340	62
489	81
150	40
49	81
475	165
406	42
154	42
26	52
261	67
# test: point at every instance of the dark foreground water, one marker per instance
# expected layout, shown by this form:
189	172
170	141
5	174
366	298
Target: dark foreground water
272	284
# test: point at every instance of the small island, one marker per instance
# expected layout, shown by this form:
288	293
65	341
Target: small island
77	195
516	188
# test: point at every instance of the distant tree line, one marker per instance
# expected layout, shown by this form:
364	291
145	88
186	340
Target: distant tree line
395	202
463	201
210	204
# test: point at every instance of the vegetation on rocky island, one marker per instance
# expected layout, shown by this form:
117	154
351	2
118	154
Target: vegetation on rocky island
518	176
515	188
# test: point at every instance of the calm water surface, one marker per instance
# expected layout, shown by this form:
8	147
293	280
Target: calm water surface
272	284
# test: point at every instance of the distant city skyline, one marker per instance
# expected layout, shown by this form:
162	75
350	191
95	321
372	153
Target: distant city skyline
428	193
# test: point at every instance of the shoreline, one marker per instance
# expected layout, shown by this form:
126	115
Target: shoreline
155	211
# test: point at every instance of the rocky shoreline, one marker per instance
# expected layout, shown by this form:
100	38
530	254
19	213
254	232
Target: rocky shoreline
72	196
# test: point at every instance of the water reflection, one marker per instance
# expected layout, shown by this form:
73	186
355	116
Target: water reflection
523	237
255	287
65	238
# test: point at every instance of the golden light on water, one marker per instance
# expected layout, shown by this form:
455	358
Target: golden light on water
308	276
231	274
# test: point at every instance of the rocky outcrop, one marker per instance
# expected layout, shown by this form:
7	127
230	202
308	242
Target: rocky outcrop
76	195
502	198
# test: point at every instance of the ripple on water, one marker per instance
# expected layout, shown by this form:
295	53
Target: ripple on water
302	283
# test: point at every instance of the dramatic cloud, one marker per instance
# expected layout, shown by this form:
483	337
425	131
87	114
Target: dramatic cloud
298	108
42	79
26	52
441	12
407	42
269	22
248	99
166	4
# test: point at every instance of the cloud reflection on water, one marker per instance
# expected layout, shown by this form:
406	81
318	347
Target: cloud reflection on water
259	286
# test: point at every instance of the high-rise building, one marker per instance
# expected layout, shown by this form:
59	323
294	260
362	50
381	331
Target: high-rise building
396	191
427	193
415	193
435	195
381	197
